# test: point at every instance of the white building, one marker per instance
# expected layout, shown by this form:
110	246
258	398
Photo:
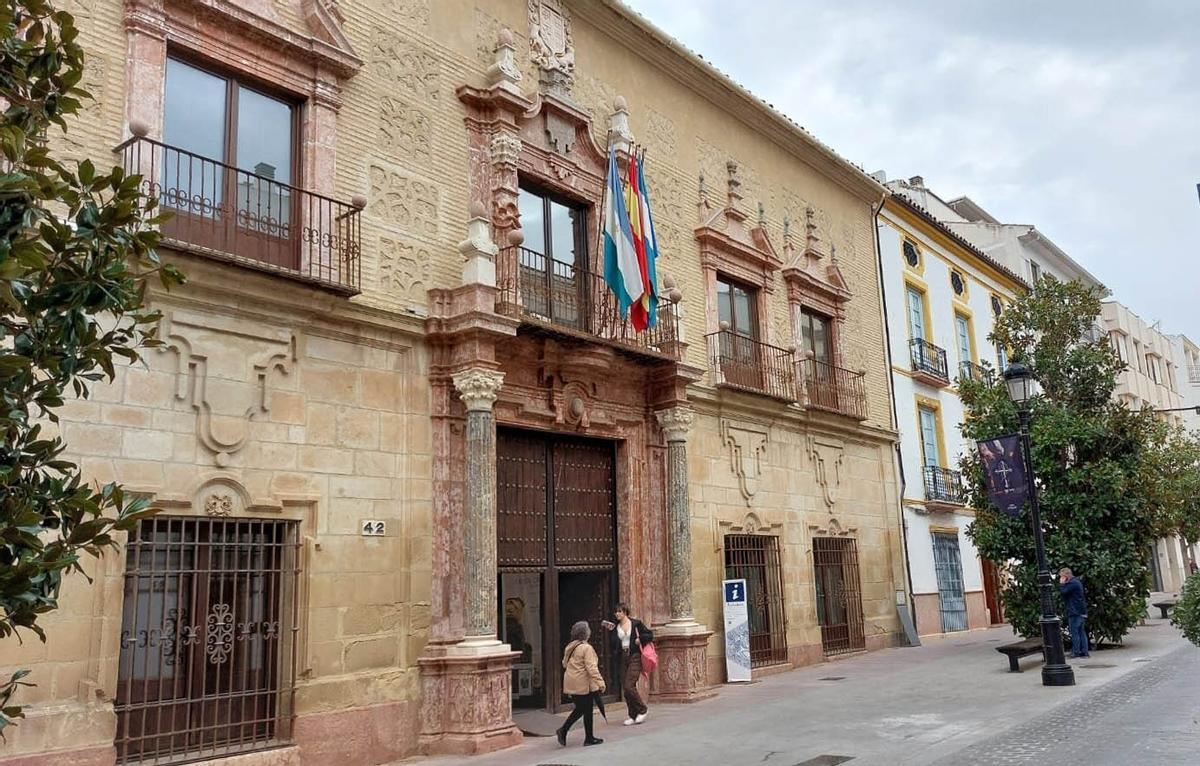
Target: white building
1187	378
942	295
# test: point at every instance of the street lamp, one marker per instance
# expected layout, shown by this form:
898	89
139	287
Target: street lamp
1022	387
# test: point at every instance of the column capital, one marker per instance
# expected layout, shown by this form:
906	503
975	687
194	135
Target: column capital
478	388
675	423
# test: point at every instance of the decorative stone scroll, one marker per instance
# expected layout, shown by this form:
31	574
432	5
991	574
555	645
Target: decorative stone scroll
827	466
747	444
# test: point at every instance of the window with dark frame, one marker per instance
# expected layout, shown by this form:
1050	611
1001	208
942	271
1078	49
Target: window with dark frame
755	559
553	259
912	256
816	335
226	139
208	644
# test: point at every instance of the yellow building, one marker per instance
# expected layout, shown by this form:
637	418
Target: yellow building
399	434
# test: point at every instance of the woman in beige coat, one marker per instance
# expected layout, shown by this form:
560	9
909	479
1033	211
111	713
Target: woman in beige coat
581	677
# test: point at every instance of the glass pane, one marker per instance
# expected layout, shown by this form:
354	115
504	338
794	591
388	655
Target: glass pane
806	333
821	344
742	317
916	314
964	339
264	155
724	304
194	128
533	222
562	233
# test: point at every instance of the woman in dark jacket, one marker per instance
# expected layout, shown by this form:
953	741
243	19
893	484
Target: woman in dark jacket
628	636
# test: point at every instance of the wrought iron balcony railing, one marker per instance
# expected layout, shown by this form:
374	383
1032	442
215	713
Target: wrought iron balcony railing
234	214
929	362
746	363
976	372
562	297
1194	373
943	485
835	389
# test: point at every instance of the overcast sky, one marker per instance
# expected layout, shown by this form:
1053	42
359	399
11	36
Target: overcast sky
1081	117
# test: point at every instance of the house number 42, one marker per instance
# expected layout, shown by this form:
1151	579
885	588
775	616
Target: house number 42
372	528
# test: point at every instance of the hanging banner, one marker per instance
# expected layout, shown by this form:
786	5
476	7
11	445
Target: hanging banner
737	631
1004	471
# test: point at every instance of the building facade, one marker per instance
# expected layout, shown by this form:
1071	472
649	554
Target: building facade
1187	378
399	435
1152	378
942	296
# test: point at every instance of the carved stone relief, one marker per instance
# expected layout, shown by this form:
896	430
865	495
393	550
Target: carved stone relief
596	97
660	136
219	504
410	204
747	445
404	130
831	528
551	46
412	13
827	457
403	269
487	29
225	377
409	69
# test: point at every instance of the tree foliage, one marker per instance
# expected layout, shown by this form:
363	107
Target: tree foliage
1092	458
77	246
1186	614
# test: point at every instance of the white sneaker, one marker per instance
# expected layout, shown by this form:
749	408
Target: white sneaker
640	718
629	722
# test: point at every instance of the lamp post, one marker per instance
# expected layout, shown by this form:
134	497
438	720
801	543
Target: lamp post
1055	670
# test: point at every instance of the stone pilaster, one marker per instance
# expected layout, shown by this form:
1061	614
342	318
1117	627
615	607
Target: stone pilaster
682	643
478	389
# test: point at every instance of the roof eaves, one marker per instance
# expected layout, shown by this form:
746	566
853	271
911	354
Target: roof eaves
958	238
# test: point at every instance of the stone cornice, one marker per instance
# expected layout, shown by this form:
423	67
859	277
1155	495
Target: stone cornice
715	402
662	52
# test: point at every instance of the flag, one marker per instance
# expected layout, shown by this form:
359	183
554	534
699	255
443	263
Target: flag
651	297
637	222
1004	471
622	270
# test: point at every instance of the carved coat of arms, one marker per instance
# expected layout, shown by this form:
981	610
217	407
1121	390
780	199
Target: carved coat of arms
550	43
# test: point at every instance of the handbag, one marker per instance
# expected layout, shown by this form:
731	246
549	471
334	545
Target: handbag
649	658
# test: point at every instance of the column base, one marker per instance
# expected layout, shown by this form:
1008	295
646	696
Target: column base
466	705
682	674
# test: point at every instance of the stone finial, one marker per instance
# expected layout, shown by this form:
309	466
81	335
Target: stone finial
675	423
734	183
478	388
811	240
359	201
478	248
139	128
516	238
504	72
619	134
762	214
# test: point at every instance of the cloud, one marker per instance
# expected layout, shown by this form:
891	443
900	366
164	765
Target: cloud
1082	118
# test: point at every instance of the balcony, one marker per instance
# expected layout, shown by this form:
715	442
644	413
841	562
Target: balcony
835	389
751	365
975	372
929	363
1194	374
249	218
943	488
560	298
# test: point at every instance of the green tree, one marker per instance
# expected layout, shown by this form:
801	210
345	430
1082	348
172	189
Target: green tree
1186	614
1090	455
76	249
1172	478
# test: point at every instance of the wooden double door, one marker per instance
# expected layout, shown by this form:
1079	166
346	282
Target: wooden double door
557	554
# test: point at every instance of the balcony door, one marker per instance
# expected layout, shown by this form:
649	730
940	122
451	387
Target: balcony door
930	447
816	334
228	165
552	264
739	350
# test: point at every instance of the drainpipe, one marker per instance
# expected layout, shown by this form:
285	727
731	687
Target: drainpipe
887	346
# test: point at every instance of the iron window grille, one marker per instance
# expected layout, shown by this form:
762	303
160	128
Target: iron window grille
755	559
208	639
911	255
839	595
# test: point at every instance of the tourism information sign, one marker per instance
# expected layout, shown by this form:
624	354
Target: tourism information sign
737	631
1004	471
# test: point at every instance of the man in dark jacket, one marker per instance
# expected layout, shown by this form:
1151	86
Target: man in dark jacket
1076	601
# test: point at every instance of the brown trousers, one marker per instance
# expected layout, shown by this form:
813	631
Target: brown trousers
631	671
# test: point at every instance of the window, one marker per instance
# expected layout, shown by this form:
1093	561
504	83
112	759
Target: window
947	563
957	283
912	256
839	594
1001	358
737	308
916	314
816	333
755	559
1118	344
1035	272
962	330
930	442
553	265
207	644
1138	356
1152	367
997	307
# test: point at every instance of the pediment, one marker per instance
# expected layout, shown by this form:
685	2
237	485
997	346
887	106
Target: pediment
728	242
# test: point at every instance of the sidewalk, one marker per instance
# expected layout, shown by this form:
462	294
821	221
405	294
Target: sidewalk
895	706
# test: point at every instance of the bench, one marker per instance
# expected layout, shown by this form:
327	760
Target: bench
1019	649
1165	606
